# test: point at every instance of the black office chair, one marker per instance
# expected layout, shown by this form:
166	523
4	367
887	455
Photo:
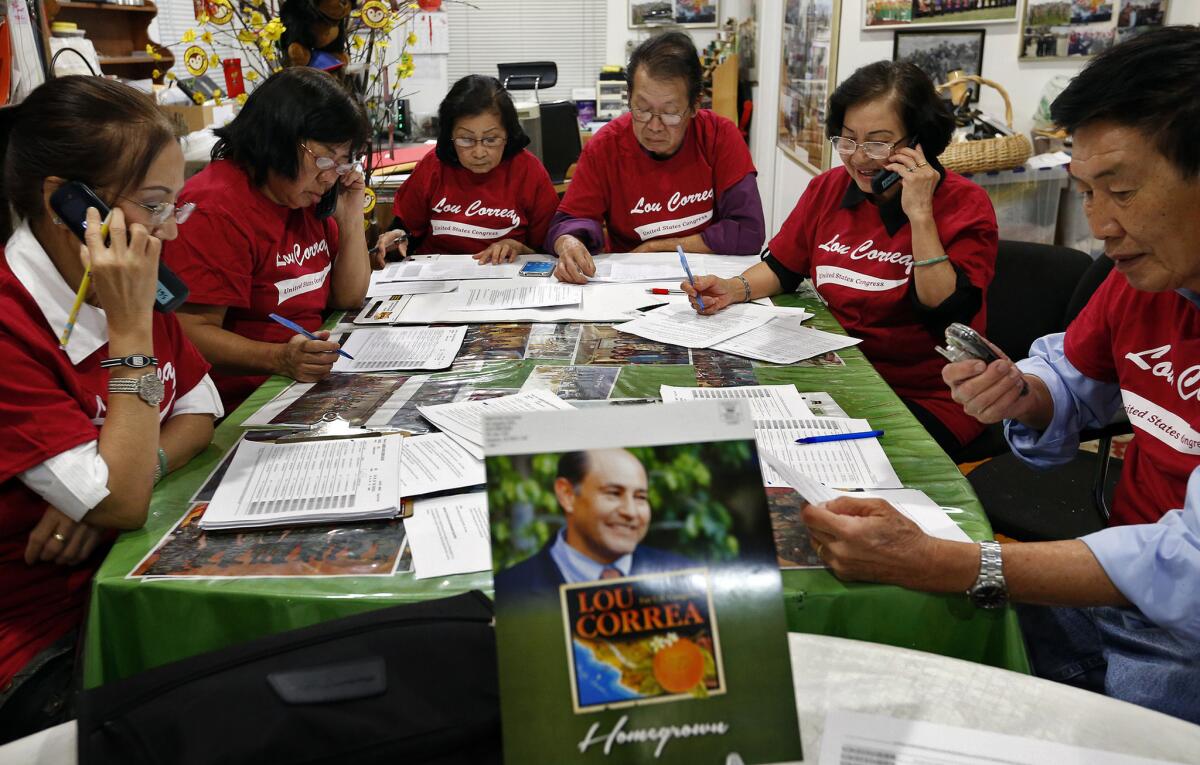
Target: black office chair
1020	502
561	144
530	75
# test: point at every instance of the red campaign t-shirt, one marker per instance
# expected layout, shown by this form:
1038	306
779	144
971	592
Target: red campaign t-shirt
639	197
1149	344
455	210
863	273
48	406
241	250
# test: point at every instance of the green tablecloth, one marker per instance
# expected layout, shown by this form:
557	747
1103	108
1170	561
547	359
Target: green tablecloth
134	625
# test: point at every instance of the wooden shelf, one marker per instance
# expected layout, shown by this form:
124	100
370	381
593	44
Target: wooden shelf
107	7
134	59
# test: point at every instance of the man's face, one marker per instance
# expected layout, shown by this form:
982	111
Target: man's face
1140	206
607	514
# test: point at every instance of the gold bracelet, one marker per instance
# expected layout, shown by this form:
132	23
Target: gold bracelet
746	286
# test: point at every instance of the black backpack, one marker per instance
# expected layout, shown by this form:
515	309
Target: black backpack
408	684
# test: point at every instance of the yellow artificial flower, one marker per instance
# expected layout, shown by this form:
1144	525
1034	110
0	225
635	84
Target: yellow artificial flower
150	49
412	38
198	98
252	76
357	41
382	42
189	35
207	37
217	93
170	75
156	74
245	36
277	70
355	14
241	99
202	19
257	20
214	60
274	30
216	99
157	56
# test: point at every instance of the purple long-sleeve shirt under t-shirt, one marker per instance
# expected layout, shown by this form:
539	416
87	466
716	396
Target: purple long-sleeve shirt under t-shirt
739	228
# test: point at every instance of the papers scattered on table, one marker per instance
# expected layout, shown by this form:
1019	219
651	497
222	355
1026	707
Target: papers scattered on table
855	737
270	484
383	286
401	348
766	401
681	325
627	267
463	421
821	404
441	268
434	462
522	296
449	535
784	341
855	464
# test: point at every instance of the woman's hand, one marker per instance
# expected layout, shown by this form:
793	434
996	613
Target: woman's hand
397	238
718	293
59	539
307	360
918	181
124	272
575	263
502	251
352	198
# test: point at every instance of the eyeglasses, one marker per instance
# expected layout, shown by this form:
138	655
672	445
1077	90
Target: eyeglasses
873	149
325	164
162	212
489	142
670	120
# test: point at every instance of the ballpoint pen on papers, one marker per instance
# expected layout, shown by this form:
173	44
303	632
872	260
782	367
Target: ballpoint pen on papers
293	326
839	437
688	270
664	291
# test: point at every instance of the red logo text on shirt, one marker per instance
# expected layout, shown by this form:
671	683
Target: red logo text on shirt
676	201
866	250
297	256
1186	383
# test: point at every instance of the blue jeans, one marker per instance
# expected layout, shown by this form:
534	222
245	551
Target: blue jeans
42	693
1117	652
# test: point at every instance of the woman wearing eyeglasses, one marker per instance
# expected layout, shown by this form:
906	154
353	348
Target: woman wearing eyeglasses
895	268
260	242
479	192
667	174
86	427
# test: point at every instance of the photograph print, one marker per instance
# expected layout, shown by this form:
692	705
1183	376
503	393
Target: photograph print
938	53
688	13
937	13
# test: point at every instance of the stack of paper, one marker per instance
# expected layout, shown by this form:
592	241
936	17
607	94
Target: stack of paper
441	268
681	325
318	481
767	402
434	462
381	286
854	464
449	535
520	296
375	350
463	421
784	341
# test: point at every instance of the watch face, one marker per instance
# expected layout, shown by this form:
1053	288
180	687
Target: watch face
989	595
137	361
150	389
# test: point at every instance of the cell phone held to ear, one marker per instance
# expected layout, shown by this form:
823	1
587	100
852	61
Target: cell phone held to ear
71	202
885	179
328	204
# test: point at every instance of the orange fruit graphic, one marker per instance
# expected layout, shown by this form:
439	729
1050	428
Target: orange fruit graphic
679	666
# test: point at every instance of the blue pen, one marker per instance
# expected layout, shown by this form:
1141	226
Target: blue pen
293	326
688	270
839	437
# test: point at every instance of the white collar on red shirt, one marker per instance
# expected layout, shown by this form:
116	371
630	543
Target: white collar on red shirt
37	274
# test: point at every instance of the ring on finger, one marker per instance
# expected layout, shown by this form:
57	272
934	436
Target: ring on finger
922	164
818	547
59	536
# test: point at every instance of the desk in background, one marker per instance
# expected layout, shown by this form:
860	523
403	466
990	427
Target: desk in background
134	625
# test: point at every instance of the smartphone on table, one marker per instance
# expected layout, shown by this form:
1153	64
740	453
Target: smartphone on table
71	202
537	268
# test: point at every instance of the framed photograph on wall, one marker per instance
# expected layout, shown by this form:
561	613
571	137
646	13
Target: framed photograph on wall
878	14
809	72
688	13
942	51
1065	29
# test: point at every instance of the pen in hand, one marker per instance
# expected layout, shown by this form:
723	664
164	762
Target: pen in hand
688	270
293	326
839	437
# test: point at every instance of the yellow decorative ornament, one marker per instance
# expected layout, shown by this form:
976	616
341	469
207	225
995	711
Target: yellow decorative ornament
368	200
222	12
241	97
188	36
252	75
195	60
214	60
375	14
246	36
412	38
207	37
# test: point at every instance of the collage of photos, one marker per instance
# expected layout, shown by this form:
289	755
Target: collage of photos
689	13
809	64
1077	28
883	13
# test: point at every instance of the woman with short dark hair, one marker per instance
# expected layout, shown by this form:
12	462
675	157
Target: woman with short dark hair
480	192
666	174
278	229
896	266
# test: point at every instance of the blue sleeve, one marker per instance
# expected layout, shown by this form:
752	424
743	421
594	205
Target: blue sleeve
1157	565
1079	402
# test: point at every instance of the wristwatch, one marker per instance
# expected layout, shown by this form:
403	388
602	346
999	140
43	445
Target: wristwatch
136	361
989	590
147	387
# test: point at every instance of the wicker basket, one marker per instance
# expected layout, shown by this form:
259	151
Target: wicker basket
1000	153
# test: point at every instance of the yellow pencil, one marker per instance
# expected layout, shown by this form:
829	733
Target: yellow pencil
84	283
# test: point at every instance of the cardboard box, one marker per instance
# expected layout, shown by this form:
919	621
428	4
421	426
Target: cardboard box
192	117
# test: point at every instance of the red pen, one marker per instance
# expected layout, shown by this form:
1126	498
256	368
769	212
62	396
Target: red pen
664	291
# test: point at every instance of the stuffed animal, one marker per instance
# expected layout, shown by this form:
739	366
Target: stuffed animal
312	28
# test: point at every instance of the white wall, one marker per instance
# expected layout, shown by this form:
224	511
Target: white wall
781	181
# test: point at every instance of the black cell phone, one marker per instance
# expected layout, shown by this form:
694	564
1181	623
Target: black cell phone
71	202
328	204
885	179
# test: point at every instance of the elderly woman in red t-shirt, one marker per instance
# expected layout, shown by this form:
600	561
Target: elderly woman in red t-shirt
895	268
480	192
667	174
